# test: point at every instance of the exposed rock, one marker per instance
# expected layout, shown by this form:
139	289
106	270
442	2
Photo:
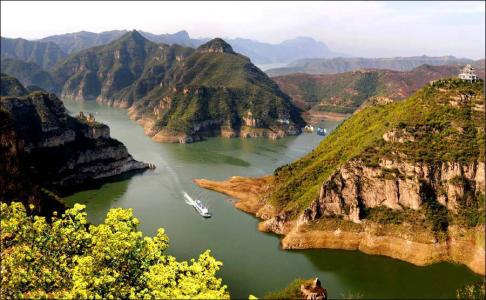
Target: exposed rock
388	183
313	291
393	184
60	152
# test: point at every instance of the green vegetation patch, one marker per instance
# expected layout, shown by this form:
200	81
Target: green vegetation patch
440	117
69	258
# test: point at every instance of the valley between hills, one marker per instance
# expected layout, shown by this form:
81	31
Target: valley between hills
400	174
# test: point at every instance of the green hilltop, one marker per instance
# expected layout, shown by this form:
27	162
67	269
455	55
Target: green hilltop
182	91
443	122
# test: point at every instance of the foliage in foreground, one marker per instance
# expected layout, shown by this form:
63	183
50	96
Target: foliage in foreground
68	258
292	291
474	290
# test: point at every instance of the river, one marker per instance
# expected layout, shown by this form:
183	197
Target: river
253	262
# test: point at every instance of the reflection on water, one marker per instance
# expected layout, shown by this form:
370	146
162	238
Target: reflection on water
253	261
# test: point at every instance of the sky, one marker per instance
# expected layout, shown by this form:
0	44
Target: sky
366	29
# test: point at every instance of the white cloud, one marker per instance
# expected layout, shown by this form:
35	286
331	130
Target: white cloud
358	28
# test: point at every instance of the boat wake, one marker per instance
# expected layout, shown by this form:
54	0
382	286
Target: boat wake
188	199
198	205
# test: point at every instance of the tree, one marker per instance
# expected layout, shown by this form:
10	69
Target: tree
69	258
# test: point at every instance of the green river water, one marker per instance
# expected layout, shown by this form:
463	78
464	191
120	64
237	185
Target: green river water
253	262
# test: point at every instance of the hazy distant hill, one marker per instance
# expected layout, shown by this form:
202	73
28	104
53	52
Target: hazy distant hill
73	42
286	51
45	54
77	41
340	64
345	92
258	52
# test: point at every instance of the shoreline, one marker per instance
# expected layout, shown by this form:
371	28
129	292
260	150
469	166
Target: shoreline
462	246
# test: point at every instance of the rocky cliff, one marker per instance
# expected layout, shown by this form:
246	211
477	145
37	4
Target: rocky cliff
404	179
44	147
181	94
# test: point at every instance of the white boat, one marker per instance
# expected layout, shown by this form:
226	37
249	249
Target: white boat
201	209
198	206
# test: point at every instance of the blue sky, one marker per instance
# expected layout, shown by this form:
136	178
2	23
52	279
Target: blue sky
368	29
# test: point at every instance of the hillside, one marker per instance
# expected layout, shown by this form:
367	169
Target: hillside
44	54
11	86
45	148
404	179
345	92
181	94
28	73
117	73
340	64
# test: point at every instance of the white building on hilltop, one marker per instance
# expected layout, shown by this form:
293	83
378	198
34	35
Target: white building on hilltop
468	74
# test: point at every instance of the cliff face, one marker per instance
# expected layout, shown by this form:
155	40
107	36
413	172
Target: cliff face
397	185
180	94
43	147
61	151
404	179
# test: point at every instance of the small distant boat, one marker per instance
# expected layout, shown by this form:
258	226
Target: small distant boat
321	131
201	209
198	206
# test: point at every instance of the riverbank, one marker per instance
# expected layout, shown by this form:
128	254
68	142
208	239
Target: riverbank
414	245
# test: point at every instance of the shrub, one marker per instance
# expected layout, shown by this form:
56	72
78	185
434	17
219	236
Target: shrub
68	258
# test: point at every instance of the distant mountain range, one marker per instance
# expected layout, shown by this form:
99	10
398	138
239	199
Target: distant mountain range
346	92
258	52
77	41
340	64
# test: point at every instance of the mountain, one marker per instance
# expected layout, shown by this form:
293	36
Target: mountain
118	73
44	54
169	89
340	64
258	52
45	150
345	92
28	73
286	51
77	41
404	179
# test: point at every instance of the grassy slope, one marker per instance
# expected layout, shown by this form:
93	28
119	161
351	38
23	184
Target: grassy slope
361	137
232	85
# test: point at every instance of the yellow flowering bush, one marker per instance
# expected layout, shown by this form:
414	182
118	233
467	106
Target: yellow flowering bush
69	258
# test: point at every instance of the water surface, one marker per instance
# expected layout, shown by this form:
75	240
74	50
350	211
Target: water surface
253	261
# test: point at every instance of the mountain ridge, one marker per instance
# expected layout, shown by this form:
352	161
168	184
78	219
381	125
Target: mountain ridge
158	81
